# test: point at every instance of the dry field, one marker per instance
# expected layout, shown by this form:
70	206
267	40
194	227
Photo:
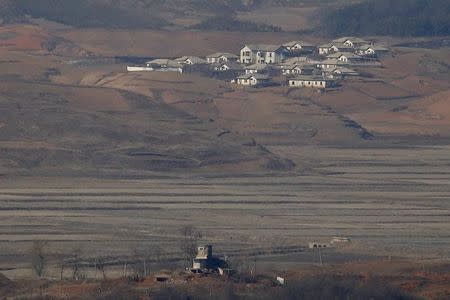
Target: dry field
390	202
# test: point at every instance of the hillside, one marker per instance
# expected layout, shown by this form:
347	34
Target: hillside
149	13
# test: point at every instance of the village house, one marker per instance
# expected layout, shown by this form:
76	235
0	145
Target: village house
256	68
191	60
340	72
228	66
297	69
221	57
252	80
317	82
324	49
164	65
331	63
347	57
350	41
295	47
337	47
372	50
262	54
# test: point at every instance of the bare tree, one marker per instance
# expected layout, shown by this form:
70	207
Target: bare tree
38	259
189	241
100	264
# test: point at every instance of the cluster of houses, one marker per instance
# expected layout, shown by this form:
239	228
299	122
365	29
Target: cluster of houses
299	64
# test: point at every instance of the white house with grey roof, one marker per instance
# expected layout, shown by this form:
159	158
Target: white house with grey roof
252	80
317	82
299	47
351	41
262	54
372	50
346	57
190	60
228	66
221	57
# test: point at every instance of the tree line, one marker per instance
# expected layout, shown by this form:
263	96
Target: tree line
387	17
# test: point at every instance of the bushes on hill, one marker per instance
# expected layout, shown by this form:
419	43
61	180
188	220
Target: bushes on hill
386	17
230	23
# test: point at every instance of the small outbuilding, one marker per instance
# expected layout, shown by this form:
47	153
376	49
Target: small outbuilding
317	82
252	80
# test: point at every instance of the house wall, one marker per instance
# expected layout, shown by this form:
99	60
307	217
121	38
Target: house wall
319	84
251	71
246	55
324	50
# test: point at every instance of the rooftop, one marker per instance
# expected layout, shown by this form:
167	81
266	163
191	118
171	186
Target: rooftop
263	47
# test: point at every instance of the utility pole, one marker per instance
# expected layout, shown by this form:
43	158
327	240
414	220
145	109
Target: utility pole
145	268
320	256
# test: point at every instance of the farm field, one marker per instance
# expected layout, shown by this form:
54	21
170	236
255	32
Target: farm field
389	201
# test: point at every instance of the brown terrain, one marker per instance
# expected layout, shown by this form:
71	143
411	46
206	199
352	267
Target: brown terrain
102	162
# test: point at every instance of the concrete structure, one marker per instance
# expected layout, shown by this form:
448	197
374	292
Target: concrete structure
205	261
317	82
139	69
221	57
314	245
252	80
262	54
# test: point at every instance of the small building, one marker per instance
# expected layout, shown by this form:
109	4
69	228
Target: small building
204	260
347	57
256	68
295	47
262	54
337	47
372	50
340	240
317	82
331	63
252	80
221	57
190	60
341	72
351	41
297	69
228	66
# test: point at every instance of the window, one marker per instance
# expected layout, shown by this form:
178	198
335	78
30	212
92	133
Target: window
270	54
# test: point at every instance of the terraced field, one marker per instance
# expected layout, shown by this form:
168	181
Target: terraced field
388	201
